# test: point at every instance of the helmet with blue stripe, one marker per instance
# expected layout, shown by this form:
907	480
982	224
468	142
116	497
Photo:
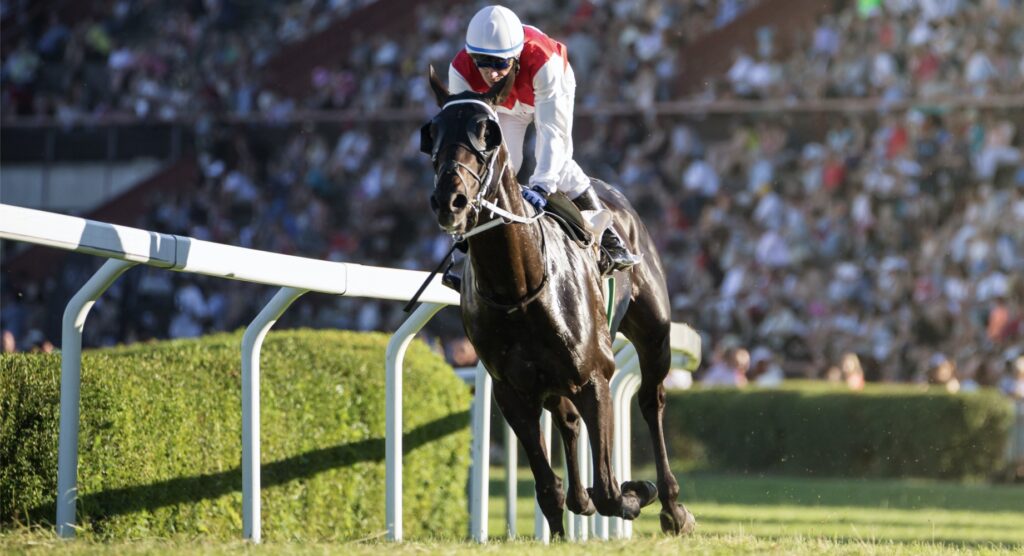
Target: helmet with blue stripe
495	31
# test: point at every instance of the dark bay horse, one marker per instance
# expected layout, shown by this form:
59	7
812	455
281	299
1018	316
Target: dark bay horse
533	307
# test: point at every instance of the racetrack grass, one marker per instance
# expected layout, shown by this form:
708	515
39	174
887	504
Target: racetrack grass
844	511
735	515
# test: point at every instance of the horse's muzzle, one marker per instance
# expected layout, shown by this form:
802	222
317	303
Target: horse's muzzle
451	211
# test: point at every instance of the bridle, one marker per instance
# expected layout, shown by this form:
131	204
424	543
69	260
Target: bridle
482	201
485	182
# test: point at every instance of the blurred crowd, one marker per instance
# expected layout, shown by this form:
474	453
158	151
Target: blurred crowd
882	246
620	51
891	50
894	239
161	59
164	59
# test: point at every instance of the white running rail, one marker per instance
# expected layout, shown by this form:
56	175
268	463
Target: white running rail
125	247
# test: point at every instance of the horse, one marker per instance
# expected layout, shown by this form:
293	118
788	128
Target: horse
533	307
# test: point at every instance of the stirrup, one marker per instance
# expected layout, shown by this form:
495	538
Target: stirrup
624	260
618	255
608	264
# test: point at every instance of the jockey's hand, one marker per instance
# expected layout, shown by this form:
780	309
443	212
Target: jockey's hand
537	197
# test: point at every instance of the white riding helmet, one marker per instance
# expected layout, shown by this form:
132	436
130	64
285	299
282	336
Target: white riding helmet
495	31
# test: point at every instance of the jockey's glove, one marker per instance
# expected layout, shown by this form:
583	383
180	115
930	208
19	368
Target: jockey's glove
536	196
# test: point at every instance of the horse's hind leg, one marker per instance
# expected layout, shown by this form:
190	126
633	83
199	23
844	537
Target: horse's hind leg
567	419
654	351
523	415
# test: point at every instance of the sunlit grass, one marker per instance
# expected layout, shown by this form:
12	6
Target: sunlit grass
736	515
840	510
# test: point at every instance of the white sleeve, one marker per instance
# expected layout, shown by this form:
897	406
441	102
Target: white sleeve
554	92
456	82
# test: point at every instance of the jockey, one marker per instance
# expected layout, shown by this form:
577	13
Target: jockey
543	93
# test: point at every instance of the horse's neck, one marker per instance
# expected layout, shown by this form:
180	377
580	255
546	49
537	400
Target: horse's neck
508	262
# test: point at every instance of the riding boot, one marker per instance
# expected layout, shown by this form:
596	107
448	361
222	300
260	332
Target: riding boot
451	280
614	253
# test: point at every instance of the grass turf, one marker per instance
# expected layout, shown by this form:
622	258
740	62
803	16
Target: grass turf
735	514
850	512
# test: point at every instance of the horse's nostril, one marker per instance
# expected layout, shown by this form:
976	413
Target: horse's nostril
459	202
434	206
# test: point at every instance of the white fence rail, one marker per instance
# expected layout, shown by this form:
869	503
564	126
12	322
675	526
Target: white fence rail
126	247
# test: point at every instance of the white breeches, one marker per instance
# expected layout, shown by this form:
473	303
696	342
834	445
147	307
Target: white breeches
571	179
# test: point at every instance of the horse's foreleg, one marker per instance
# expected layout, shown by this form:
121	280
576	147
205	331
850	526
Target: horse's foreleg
567	419
594	404
523	415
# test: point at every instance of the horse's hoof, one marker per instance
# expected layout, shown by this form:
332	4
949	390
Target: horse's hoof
679	521
645	491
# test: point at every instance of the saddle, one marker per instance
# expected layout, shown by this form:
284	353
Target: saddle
569	218
560	209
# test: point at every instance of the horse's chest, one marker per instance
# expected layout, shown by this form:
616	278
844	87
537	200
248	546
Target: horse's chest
534	360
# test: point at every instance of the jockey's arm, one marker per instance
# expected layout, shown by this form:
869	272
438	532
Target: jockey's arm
554	94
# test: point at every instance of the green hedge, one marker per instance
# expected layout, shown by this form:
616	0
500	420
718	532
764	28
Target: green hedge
160	440
811	429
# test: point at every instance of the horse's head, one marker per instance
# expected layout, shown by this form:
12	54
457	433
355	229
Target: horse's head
464	142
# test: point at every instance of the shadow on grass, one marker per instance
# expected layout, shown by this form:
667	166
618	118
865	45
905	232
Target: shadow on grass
186	490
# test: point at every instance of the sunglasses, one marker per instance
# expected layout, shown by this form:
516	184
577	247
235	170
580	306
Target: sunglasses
492	62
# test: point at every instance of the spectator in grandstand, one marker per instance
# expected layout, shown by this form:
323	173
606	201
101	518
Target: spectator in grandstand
941	371
9	343
729	369
764	371
852	371
1012	383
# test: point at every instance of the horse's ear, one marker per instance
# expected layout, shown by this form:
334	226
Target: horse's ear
498	94
440	91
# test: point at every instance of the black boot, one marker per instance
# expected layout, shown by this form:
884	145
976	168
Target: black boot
448	277
452	280
614	253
